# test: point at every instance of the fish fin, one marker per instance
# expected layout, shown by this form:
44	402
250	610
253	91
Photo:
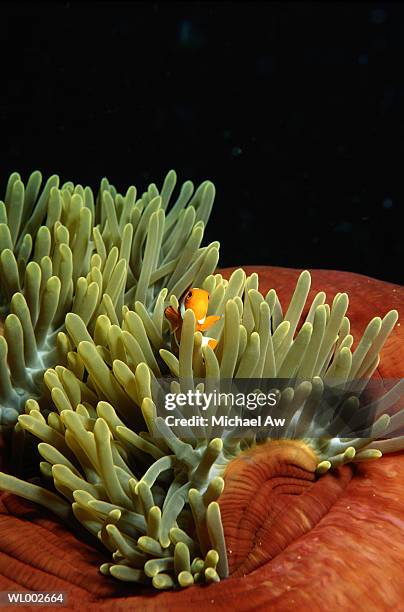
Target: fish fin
206	341
172	316
209	321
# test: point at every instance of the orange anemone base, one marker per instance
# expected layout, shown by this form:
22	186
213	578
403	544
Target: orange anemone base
294	542
271	499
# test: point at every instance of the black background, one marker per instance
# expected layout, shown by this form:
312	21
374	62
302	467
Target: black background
294	110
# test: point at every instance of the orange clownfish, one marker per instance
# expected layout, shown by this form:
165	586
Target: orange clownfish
198	301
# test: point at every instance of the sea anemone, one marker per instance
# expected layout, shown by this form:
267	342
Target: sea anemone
63	250
174	510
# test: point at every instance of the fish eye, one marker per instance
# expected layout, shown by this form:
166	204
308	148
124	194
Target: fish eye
189	294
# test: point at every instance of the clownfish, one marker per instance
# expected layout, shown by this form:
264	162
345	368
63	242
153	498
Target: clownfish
198	301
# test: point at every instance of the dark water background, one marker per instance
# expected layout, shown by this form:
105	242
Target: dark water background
294	110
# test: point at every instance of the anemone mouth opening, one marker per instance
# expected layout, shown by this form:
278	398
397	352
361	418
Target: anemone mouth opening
272	497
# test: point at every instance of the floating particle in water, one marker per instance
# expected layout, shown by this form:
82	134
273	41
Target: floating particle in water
236	151
387	203
345	227
377	16
265	65
184	113
185	33
189	36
